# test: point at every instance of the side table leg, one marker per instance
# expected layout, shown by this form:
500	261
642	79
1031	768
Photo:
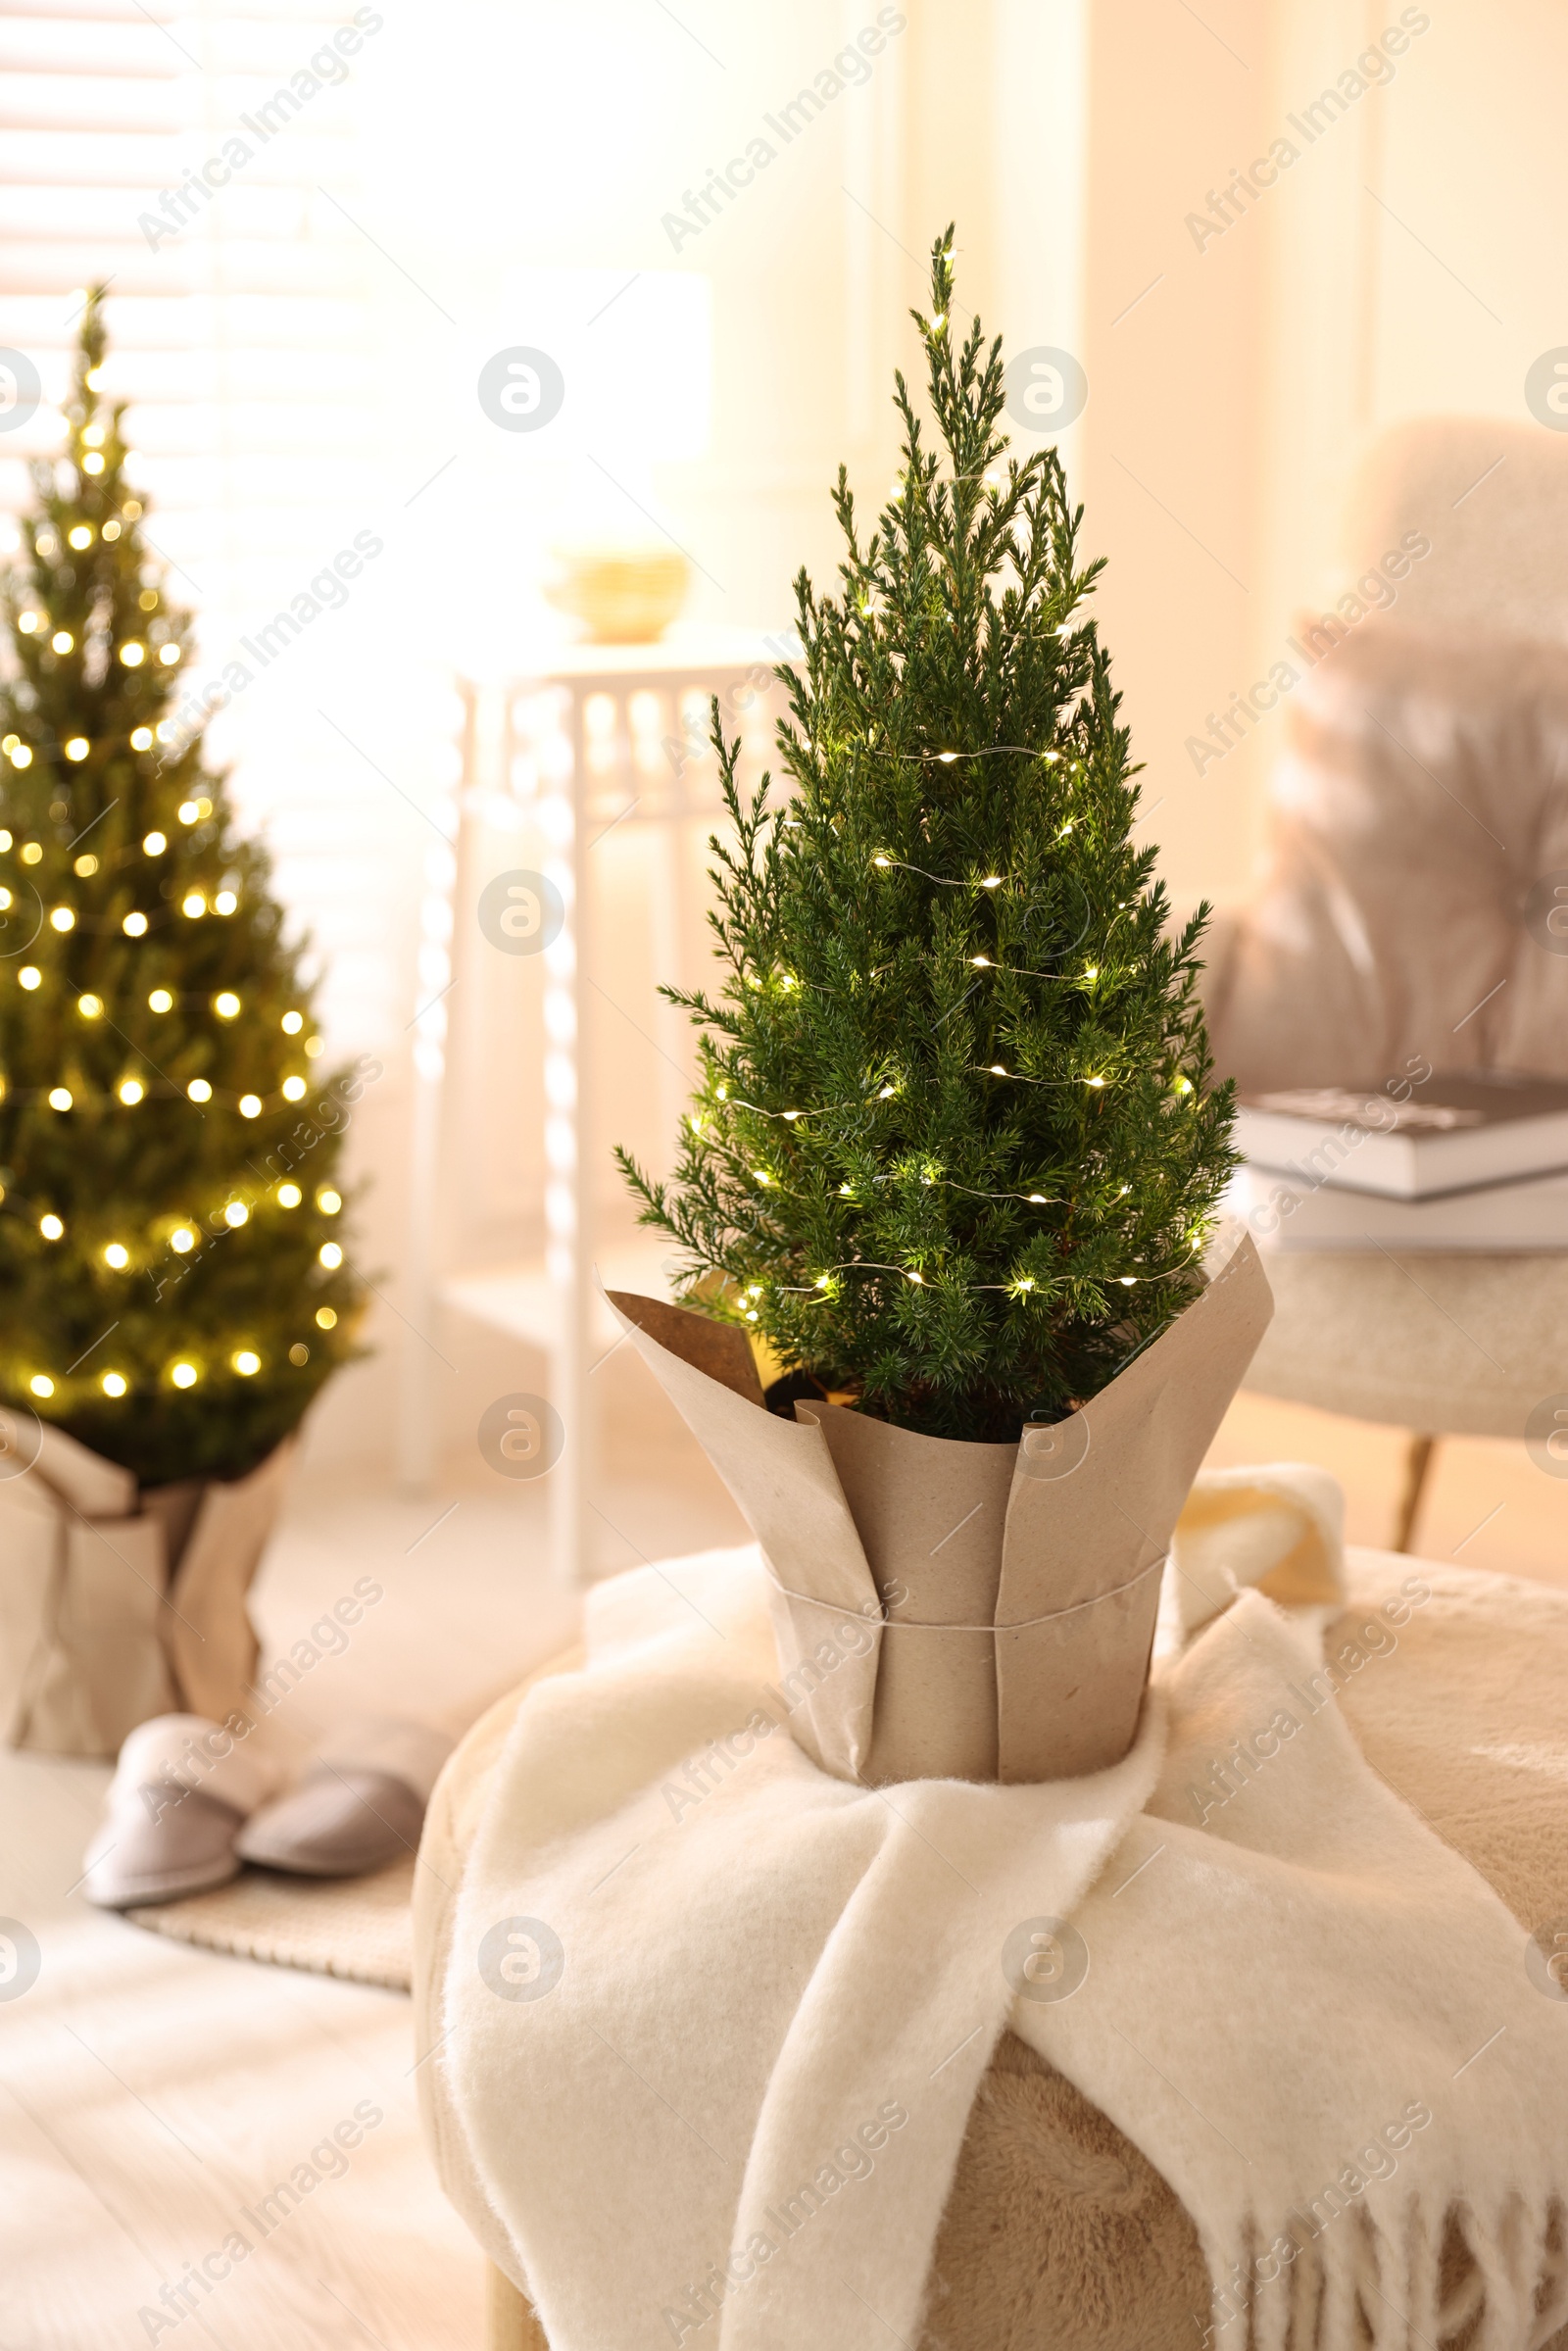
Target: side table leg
1417	1466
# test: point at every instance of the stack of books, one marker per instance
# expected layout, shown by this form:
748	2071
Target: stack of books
1476	1159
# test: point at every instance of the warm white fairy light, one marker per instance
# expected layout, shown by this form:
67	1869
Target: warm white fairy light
235	1214
29	977
193	905
41	1384
51	1227
141	738
331	1254
225	1005
114	1383
290	1196
199	1091
134	926
21	756
292	1023
132	653
90	1007
184	1375
60	1098
29	622
117	1255
168	654
226	901
78	748
250	1106
294	1090
330	1202
155	844
326	1318
63	918
87	865
247	1362
161	1000
182	1240
93	461
130	1091
80	535
61	641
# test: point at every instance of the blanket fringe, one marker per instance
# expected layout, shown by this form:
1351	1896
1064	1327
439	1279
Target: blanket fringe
1491	2279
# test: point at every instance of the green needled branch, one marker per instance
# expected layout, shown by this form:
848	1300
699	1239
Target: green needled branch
956	1148
171	1252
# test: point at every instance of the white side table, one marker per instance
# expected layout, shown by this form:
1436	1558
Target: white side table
593	739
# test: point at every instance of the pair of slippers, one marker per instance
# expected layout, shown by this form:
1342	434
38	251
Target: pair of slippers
189	1805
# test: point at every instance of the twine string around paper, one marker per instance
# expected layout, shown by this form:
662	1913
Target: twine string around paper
912	1624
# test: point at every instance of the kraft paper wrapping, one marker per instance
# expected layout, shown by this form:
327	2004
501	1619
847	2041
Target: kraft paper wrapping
96	1632
965	1611
210	1642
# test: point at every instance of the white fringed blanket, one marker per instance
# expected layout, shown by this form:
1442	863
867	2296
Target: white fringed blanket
714	2021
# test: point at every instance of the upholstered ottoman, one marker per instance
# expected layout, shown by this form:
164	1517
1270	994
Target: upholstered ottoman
1058	2236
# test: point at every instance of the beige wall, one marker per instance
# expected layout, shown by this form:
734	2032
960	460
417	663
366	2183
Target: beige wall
1410	261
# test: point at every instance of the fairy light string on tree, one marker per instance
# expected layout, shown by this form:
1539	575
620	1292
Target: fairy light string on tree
174	1283
958	1147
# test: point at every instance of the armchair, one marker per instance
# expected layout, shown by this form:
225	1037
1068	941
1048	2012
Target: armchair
1418	830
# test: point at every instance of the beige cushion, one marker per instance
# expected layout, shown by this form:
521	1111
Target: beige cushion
1421	797
1460	1345
1058	2232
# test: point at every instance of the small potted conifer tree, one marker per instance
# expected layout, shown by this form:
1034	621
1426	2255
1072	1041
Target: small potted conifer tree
957	1153
171	1258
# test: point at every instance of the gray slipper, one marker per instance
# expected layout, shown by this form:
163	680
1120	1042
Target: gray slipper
339	1822
180	1795
176	1843
359	1807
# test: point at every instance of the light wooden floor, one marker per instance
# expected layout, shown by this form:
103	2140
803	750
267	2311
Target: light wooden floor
150	2094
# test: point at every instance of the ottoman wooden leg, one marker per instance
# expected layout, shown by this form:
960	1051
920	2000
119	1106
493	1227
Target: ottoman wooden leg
510	2321
1417	1463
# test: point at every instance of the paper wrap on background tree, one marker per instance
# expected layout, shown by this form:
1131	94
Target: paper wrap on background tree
1008	1593
117	1606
